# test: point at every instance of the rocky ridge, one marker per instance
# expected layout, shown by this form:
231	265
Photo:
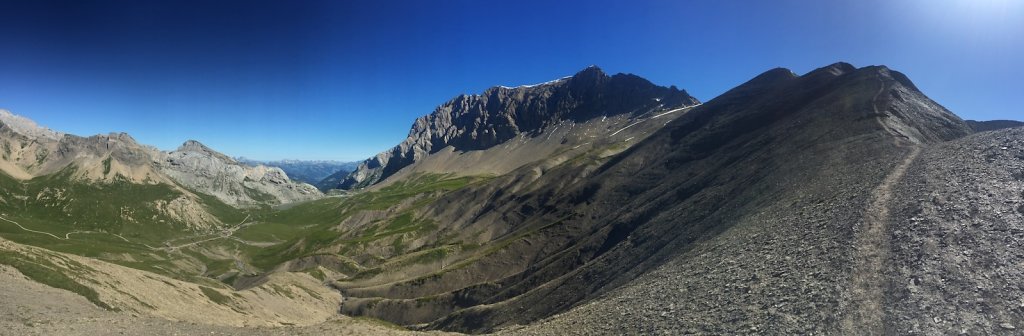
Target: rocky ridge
31	151
842	201
499	114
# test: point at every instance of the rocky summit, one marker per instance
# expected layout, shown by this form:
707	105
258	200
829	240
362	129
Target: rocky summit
499	114
197	167
839	201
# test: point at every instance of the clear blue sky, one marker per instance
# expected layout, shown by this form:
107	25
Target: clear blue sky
344	80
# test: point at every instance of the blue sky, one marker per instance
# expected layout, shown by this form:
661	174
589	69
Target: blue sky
344	80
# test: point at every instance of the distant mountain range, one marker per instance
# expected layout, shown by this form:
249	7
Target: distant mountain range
309	171
194	179
839	201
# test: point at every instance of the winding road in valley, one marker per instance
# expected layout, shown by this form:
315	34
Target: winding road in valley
227	233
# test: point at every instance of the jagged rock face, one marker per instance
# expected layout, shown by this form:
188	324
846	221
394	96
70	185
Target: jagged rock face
474	122
202	169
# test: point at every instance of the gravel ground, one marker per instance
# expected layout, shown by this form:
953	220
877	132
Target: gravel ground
954	262
784	268
958	259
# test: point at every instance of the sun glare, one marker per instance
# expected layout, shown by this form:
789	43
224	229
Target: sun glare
973	21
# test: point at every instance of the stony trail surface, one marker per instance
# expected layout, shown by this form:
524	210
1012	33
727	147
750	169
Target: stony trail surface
865	309
957	235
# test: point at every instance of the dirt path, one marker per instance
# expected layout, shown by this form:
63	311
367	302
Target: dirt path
30	230
865	309
227	233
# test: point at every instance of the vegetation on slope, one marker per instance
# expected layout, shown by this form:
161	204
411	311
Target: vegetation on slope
45	272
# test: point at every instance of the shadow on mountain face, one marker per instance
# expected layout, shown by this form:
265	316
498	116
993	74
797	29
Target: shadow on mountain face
777	141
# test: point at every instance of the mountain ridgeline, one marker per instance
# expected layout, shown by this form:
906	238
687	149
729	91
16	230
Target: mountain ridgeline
840	201
499	114
993	125
313	172
190	173
725	173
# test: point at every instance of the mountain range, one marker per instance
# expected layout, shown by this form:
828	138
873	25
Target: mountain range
840	201
320	173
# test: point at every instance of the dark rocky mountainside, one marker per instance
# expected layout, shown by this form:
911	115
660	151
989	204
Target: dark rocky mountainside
953	236
499	114
958	232
992	125
760	197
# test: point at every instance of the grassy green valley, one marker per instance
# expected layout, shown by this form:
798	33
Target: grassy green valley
119	222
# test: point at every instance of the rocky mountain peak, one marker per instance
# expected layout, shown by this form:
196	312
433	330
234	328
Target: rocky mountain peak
897	76
590	73
477	122
193	146
121	136
765	81
836	69
200	168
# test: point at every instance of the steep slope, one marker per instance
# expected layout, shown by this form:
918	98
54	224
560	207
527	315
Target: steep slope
517	115
720	179
953	231
959	219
